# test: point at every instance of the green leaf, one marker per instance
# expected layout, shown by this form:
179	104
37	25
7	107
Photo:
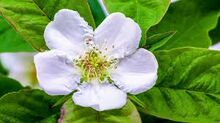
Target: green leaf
97	11
158	40
27	106
63	99
10	40
192	19
50	7
188	86
152	119
8	85
30	17
51	119
3	71
75	114
145	12
215	33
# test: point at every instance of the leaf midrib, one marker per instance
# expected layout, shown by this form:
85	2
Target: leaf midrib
184	89
11	23
40	9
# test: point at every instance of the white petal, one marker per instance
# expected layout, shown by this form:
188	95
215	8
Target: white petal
136	73
215	47
16	60
20	66
56	72
100	97
120	35
67	32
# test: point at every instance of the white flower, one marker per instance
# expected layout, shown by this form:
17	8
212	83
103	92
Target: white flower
20	67
215	47
101	65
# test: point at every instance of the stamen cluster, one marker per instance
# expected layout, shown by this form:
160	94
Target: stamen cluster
94	65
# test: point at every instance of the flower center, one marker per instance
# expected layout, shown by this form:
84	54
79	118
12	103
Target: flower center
94	65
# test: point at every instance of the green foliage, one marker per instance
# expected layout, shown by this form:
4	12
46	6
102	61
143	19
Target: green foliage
63	99
8	85
50	7
30	17
51	119
145	12
10	40
158	40
97	11
215	33
27	106
76	114
192	19
188	86
152	119
3	71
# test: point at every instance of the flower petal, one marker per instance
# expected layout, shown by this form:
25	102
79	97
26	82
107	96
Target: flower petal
20	66
136	73
118	36
67	32
100	97
56	72
215	47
